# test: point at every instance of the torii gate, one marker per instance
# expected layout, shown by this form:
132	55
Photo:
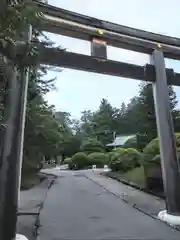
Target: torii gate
100	33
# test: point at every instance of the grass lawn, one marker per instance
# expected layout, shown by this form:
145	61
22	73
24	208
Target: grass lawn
135	176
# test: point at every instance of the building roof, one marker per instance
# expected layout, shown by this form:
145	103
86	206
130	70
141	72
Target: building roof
120	140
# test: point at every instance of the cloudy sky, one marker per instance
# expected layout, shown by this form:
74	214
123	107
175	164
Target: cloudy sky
77	91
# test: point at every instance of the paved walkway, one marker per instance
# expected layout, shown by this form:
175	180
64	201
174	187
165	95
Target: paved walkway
145	202
30	202
85	205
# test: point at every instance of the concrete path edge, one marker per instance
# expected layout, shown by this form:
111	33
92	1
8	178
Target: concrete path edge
168	218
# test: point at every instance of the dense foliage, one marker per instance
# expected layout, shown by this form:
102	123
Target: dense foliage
78	143
91	146
138	117
80	160
45	135
153	147
125	159
98	159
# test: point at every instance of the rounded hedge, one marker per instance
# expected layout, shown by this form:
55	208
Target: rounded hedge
67	160
110	155
115	163
125	159
98	159
131	159
119	150
157	159
80	160
116	159
153	147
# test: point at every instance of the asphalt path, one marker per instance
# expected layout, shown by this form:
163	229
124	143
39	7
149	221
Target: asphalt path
78	208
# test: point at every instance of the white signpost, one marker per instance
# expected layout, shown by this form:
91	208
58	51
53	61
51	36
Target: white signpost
106	169
93	167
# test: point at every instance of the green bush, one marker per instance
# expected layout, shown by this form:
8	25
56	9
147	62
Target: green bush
157	158
178	139
131	143
131	159
110	155
92	145
116	159
67	160
80	160
125	159
98	159
153	147
119	150
29	166
115	163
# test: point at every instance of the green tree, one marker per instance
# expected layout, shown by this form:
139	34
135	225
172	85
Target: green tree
92	145
123	108
43	135
146	109
103	122
86	124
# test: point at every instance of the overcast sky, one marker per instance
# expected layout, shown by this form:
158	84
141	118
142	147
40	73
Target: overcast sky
77	91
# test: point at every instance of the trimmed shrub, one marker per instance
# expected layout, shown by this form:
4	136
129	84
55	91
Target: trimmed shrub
153	147
134	156
110	155
115	163
80	160
92	145
98	159
131	159
116	159
125	159
119	150
157	159
67	160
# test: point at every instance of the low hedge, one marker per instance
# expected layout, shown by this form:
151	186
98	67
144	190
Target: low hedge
153	147
80	160
67	161
116	163
119	150
98	159
125	159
